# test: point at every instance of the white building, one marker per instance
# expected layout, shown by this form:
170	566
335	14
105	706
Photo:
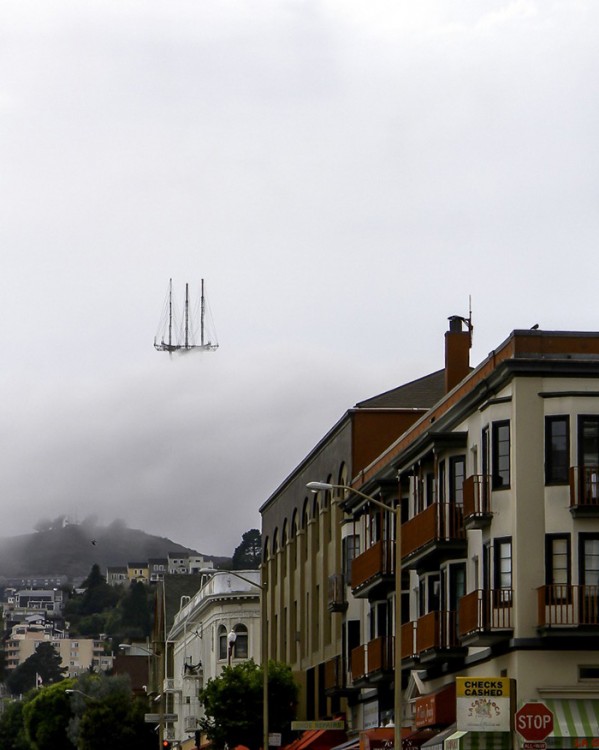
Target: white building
201	641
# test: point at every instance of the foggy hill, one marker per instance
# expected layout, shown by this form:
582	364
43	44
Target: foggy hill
71	550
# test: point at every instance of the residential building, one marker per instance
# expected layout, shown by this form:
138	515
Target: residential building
138	572
497	487
117	575
178	563
219	625
158	567
308	546
77	654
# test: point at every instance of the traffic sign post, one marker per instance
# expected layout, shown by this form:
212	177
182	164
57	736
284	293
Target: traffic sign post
534	722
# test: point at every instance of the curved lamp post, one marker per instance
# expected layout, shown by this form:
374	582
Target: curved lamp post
263	652
327	486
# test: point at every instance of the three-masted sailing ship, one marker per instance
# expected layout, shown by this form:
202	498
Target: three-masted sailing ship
181	334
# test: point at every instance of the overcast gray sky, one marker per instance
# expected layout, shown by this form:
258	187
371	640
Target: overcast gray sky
344	174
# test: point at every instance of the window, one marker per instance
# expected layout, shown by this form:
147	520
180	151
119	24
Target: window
557	567
240	647
503	564
589	559
557	450
457	472
222	642
501	455
351	549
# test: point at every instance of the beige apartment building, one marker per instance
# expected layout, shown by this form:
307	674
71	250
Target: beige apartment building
497	488
77	654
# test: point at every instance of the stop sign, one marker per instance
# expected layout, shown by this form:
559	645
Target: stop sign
534	721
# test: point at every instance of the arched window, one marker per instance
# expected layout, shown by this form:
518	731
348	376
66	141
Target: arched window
222	642
240	649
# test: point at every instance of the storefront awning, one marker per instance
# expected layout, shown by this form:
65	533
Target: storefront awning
352	744
478	741
575	723
436	742
318	739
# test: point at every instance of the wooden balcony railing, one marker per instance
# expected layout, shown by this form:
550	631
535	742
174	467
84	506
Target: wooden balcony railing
477	496
584	486
485	610
436	630
376	561
560	605
374	657
358	662
440	522
379	654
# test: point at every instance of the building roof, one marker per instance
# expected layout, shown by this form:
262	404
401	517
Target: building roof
417	394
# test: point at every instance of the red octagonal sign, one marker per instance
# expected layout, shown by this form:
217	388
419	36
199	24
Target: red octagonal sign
534	721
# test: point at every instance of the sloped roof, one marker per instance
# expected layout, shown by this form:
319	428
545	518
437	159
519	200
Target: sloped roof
418	394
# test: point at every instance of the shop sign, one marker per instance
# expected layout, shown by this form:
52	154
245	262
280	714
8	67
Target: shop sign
484	704
436	709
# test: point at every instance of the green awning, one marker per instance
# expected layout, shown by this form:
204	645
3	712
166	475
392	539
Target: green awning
479	741
575	723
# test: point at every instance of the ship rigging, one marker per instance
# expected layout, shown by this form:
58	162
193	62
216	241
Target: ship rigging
180	334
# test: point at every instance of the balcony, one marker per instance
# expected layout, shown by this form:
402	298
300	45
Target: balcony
485	617
584	491
336	677
373	662
337	601
434	534
431	638
568	610
477	501
372	569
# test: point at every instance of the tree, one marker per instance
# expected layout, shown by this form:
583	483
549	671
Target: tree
233	704
46	718
12	730
248	554
136	621
108	715
99	595
44	663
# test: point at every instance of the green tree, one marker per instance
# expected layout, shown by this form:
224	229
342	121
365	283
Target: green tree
233	704
46	718
12	729
136	621
99	595
248	554
116	723
44	663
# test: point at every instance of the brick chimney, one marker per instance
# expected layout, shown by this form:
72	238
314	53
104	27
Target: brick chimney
457	351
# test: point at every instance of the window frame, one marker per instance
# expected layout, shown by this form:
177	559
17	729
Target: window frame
498	545
561	475
497	480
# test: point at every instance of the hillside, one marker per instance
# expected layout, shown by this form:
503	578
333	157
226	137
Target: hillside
72	550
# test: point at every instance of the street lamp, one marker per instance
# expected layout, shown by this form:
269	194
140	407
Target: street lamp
70	691
327	486
263	653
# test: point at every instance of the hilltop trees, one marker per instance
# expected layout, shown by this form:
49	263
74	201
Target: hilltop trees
248	554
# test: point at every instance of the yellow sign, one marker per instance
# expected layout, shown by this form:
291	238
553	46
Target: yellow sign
497	687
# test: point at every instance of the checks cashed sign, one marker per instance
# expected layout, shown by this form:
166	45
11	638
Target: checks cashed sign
484	704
